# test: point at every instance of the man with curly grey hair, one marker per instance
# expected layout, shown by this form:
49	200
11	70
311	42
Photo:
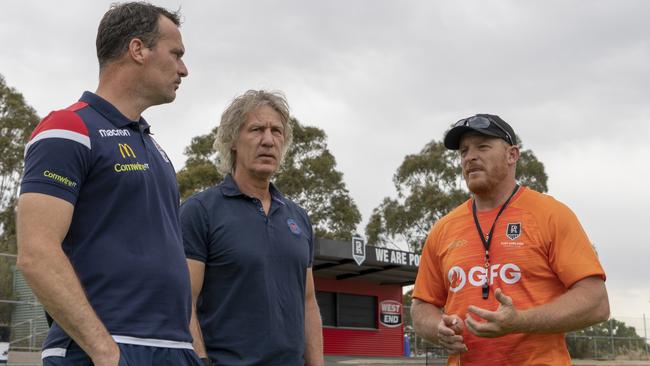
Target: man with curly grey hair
235	116
250	249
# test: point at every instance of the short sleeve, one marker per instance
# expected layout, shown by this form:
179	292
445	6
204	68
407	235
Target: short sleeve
429	283
194	225
57	157
571	255
310	236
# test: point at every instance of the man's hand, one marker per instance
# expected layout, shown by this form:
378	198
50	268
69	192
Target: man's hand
497	323
450	330
111	358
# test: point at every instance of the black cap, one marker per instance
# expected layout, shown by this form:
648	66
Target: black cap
497	128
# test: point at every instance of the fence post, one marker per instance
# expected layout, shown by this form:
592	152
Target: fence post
31	335
645	336
611	338
415	344
426	355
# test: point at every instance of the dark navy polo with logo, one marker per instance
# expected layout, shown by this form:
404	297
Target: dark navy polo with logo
124	240
252	304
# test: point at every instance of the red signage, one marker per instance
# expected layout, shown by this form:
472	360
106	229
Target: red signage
390	313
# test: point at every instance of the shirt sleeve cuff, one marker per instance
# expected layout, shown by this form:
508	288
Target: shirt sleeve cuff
48	189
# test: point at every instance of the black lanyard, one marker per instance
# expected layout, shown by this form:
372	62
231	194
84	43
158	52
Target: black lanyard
486	241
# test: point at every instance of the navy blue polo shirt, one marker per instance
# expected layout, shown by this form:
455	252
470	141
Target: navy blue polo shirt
252	304
124	240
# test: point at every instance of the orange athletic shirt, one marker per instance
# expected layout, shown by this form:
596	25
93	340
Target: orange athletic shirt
538	251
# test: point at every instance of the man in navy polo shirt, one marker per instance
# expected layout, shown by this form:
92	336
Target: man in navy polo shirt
250	249
99	239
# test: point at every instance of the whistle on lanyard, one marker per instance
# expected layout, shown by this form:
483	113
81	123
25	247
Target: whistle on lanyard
486	290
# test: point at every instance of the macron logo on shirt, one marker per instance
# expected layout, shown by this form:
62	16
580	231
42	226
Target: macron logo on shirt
114	132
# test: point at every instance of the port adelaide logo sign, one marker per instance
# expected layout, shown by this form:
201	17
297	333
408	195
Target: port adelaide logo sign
513	230
390	313
358	249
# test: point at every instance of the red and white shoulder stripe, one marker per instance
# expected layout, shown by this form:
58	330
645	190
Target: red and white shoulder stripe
63	124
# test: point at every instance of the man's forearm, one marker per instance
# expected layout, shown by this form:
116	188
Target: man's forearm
42	222
426	318
585	303
197	335
313	335
57	287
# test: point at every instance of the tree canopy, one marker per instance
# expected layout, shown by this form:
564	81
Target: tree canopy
429	185
200	171
308	176
17	120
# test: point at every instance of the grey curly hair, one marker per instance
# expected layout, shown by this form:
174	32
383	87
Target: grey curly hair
234	117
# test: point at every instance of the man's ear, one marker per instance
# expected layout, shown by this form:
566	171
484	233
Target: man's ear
513	154
137	50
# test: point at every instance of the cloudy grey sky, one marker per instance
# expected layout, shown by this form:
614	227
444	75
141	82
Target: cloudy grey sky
382	78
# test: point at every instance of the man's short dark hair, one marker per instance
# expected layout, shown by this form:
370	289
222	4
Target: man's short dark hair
126	21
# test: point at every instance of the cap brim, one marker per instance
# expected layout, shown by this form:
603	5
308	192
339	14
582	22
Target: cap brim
452	138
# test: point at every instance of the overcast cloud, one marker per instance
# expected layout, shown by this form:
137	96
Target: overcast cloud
382	78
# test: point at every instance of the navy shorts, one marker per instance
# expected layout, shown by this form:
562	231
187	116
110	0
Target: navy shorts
130	355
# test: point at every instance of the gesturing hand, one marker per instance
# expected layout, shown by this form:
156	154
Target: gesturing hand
497	323
450	330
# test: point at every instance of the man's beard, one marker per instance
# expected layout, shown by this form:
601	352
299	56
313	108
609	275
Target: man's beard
492	179
479	187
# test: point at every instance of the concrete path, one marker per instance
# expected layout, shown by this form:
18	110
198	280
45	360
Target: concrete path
34	359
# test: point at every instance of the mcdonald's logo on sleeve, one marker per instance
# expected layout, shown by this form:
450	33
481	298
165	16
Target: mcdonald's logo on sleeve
126	151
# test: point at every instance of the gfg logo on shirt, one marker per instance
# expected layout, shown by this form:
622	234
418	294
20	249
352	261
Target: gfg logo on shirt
508	273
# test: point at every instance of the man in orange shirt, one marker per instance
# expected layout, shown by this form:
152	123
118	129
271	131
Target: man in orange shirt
505	274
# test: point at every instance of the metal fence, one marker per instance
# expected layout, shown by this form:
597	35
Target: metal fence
619	338
28	335
608	347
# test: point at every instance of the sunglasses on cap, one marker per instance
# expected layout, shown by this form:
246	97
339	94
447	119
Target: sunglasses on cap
482	123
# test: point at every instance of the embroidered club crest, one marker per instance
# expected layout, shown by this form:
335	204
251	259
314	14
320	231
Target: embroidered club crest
293	226
513	230
161	151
